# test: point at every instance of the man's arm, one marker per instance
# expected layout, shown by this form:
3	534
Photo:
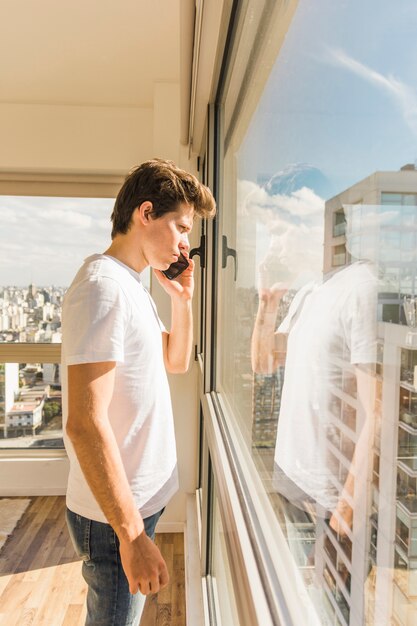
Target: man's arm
177	344
356	480
268	349
90	389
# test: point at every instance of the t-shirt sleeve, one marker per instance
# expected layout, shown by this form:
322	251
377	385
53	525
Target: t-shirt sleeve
295	308
95	321
160	322
362	327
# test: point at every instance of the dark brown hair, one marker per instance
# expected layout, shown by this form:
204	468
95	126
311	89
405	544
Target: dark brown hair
166	186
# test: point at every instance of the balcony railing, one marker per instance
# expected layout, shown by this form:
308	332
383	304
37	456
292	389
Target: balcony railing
409	503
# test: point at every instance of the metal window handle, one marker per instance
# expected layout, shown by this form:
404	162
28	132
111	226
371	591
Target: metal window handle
226	252
200	251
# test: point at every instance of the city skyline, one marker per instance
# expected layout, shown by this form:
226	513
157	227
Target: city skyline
31	314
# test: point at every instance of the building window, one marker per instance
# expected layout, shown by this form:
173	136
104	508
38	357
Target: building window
339	226
339	255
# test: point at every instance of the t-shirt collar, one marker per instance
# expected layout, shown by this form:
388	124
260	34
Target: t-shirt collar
135	274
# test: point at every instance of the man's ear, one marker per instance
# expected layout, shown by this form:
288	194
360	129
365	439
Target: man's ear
144	212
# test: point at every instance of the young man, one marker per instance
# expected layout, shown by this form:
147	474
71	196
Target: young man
118	426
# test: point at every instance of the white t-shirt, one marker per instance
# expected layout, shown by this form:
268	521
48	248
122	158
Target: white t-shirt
109	316
327	325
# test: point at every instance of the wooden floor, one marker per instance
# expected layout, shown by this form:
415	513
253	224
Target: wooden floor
40	575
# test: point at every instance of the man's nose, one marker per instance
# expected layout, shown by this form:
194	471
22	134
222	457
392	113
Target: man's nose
184	243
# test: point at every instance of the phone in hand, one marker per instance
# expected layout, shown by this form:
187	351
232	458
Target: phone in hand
175	269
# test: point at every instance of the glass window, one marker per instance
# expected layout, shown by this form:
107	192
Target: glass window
317	325
339	227
405	199
339	255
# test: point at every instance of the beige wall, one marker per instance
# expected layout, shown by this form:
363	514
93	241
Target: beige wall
73	138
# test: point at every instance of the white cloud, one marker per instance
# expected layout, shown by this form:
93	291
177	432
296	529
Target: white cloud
65	218
302	202
46	239
9	246
292	228
404	96
103	224
7	216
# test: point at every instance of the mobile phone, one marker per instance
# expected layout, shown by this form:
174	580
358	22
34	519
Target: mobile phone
175	269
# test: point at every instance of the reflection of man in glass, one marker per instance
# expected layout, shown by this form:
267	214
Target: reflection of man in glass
327	342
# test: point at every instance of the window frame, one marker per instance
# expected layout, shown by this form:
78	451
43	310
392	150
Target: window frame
250	541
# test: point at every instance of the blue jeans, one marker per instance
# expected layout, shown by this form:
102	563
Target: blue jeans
109	601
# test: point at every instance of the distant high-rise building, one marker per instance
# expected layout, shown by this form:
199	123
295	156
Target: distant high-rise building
32	290
52	373
9	387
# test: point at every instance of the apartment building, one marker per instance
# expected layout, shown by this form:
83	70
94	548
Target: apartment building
376	220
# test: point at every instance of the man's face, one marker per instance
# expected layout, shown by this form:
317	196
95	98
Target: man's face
167	236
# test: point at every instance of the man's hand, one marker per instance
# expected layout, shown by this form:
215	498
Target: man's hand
182	287
266	356
269	298
143	564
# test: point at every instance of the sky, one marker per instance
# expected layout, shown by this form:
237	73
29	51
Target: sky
44	240
342	98
342	95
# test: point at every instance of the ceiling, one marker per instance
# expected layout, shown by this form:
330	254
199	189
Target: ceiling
87	52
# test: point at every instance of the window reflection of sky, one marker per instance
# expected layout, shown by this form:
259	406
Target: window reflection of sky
340	104
340	97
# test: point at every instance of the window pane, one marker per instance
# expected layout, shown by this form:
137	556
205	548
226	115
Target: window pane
30	405
43	241
317	349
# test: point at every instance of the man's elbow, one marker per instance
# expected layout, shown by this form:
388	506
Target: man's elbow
262	369
74	429
179	367
265	366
